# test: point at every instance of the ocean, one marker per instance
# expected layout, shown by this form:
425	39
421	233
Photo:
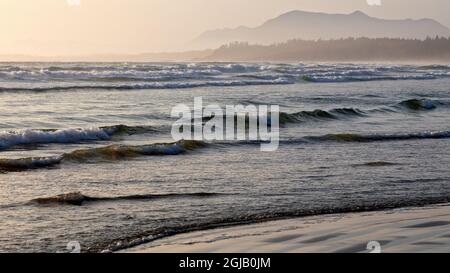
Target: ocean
86	152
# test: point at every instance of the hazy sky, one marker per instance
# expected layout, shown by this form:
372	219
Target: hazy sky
53	27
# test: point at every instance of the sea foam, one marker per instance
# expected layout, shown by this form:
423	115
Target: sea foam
27	137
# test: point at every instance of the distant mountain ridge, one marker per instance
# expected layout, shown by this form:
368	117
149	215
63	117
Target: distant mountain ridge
313	25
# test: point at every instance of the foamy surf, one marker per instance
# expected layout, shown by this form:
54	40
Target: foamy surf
31	163
123	152
30	137
70	77
151	85
342	78
75	135
25	137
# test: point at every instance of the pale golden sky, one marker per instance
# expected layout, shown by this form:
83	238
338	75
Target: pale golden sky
53	27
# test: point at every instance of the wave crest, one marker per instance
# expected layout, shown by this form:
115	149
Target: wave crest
418	104
151	85
318	115
78	199
110	153
380	137
23	164
30	137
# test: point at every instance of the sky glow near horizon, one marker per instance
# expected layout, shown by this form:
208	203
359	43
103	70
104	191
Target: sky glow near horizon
61	27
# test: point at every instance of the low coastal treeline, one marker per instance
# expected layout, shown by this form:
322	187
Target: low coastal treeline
435	50
350	49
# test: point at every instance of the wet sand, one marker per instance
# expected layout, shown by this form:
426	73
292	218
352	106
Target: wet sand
409	230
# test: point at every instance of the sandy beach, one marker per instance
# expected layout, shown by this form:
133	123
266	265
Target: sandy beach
410	230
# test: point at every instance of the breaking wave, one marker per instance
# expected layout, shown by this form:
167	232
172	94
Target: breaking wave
117	152
123	152
341	113
108	153
64	136
124	76
152	85
23	164
380	137
363	78
30	137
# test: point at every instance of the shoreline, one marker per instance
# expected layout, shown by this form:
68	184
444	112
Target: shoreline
416	229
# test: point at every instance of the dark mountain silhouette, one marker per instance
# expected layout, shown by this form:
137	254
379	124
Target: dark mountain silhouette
435	50
313	25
